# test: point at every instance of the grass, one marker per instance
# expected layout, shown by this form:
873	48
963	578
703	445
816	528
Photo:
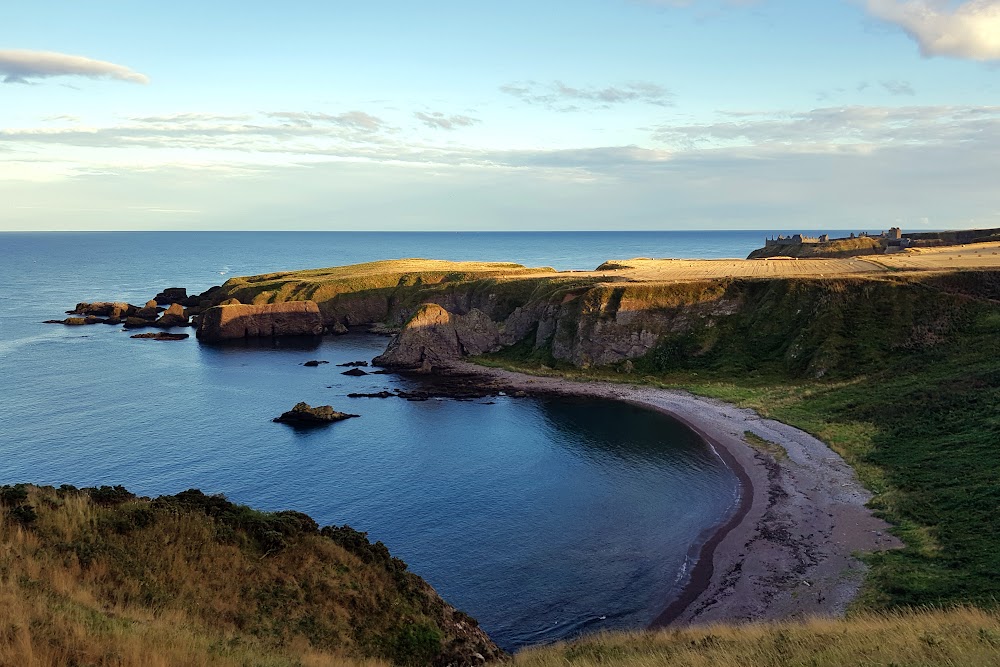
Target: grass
962	636
99	577
901	376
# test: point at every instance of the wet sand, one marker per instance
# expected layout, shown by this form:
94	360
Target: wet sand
788	549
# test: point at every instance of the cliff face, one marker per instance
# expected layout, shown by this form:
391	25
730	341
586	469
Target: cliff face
234	321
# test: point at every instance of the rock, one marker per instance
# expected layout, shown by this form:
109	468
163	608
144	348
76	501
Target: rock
231	302
147	312
112	309
378	394
434	336
173	317
137	323
291	318
76	321
161	335
315	362
171	295
337	328
354	372
151	304
305	415
353	364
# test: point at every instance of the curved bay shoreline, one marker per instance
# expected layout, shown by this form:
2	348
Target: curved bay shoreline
788	548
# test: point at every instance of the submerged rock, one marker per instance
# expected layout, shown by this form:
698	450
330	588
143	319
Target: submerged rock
304	414
354	372
352	364
161	335
314	362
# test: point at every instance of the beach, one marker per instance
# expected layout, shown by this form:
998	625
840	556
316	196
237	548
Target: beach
789	547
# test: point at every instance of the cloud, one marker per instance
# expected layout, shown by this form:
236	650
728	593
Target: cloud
352	119
23	66
970	30
438	120
898	88
560	97
839	128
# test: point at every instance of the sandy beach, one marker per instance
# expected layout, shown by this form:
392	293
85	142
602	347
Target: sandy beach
788	548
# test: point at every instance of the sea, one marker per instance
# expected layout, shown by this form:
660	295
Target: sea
543	518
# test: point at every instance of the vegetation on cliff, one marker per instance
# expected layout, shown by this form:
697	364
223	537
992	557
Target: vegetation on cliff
100	577
900	375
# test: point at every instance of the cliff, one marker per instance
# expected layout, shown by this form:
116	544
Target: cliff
100	577
234	321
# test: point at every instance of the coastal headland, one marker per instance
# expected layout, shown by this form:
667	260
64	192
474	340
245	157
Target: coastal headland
851	396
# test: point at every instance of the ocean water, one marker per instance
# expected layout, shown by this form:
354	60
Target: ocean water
542	518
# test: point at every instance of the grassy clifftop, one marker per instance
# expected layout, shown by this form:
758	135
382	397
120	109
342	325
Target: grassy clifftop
862	245
100	577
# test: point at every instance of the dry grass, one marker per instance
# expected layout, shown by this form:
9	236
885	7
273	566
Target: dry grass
146	584
966	637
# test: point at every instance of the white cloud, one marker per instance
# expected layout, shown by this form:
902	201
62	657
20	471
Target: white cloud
24	66
438	120
969	30
561	97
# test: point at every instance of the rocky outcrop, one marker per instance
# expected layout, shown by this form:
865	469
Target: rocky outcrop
111	309
291	318
173	317
304	414
433	336
171	295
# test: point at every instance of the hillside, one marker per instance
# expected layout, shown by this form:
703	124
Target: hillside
100	577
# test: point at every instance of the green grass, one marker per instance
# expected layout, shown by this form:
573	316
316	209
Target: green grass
900	376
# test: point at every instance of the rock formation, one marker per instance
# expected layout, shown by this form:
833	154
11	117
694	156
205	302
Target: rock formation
434	336
291	318
304	414
173	317
171	295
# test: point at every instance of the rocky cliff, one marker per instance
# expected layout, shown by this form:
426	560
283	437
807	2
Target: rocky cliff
234	321
433	336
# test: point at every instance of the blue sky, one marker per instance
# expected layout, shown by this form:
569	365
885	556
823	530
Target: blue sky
591	114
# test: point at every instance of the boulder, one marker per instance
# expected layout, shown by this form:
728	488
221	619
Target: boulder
173	317
137	323
433	336
291	318
353	364
354	372
76	321
337	328
304	414
315	362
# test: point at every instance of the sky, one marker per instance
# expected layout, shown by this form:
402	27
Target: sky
520	115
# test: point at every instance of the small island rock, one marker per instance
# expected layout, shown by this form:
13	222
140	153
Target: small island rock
304	414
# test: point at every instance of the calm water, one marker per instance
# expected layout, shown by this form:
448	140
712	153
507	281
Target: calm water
541	518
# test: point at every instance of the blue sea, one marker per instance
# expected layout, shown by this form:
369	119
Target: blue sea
542	518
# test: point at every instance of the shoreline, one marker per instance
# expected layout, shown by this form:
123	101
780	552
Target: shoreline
788	548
